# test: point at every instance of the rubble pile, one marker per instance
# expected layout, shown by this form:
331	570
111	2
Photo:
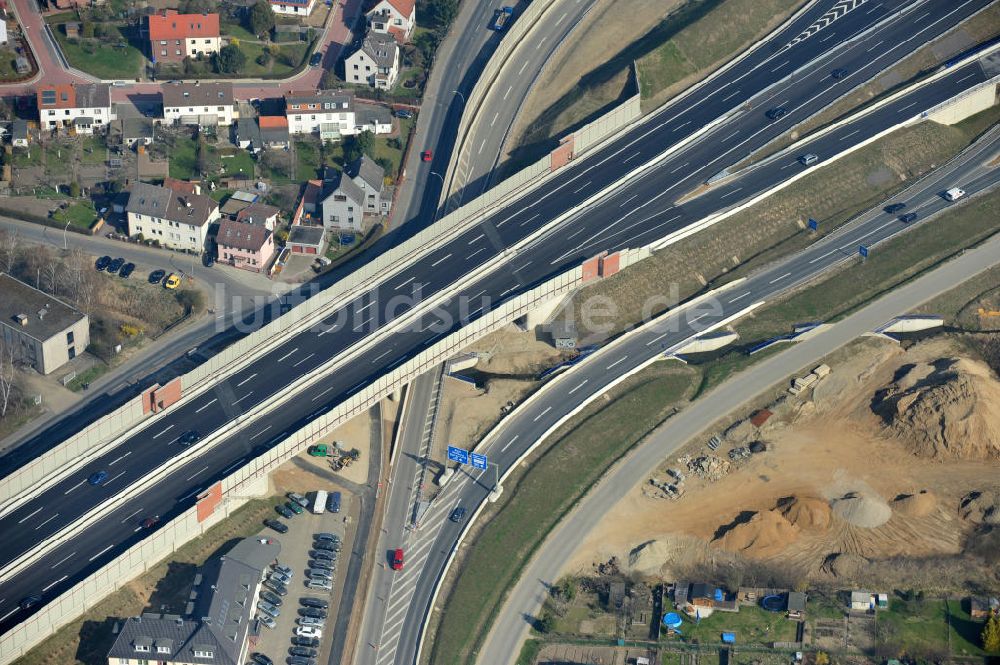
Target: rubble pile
708	467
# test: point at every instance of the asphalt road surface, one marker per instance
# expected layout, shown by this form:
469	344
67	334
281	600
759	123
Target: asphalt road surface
810	88
503	643
568	392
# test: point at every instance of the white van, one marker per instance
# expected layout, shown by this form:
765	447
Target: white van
319	502
954	194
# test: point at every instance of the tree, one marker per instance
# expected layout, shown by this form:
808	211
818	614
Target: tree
440	13
822	658
74	189
230	59
6	375
329	80
260	18
991	634
10	248
357	145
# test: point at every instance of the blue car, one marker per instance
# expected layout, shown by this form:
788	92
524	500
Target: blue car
98	477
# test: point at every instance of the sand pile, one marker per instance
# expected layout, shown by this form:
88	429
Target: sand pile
844	564
807	513
920	504
981	507
864	510
765	534
950	409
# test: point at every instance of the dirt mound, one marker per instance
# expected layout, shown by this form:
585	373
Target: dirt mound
844	564
981	507
807	512
864	510
920	504
764	534
947	409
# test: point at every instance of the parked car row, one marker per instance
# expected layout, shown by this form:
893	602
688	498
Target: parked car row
122	269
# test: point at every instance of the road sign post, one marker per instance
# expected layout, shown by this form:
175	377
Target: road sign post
479	461
863	251
459	455
813	224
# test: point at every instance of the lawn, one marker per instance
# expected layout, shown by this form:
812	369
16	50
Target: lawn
752	625
87	376
87	639
230	29
25	157
917	628
93	151
236	162
537	497
184	158
107	60
394	155
965	632
80	214
307	160
8	70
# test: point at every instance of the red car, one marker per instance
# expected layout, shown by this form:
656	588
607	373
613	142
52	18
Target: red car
426	155
397	559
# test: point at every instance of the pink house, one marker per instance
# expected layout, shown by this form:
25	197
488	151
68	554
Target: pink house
247	246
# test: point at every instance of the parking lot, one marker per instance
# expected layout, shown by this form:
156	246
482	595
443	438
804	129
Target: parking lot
297	549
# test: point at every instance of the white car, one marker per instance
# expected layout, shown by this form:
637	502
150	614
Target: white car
309	631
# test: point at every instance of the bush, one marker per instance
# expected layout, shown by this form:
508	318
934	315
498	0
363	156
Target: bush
263	59
190	300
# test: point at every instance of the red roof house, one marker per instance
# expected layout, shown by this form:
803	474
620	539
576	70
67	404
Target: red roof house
173	36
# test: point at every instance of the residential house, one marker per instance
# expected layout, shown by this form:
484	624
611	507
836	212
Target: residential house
43	331
274	131
394	17
63	104
372	118
247	246
3	33
326	112
135	131
176	220
259	214
19	133
309	240
293	7
862	601
202	104
342	203
375	63
248	135
182	186
216	628
173	36
370	177
236	202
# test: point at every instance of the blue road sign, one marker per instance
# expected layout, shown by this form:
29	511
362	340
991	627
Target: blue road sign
479	461
813	224
863	251
459	455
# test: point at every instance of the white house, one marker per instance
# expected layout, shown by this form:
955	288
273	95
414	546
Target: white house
3	32
174	36
293	7
85	106
202	104
176	219
394	17
375	63
326	112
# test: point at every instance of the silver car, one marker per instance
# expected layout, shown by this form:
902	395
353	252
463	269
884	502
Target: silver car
281	577
320	574
325	585
268	609
267	620
311	621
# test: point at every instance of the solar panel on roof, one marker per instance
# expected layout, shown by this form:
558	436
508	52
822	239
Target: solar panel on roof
48	96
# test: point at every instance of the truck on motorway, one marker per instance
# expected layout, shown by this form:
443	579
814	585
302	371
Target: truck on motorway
502	18
319	502
954	194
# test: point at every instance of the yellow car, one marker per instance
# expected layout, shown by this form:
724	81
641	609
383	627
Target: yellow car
172	281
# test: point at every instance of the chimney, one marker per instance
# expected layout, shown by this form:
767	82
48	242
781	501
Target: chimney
41	313
22	319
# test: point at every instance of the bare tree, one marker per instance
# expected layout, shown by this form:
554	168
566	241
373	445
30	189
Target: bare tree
10	245
6	375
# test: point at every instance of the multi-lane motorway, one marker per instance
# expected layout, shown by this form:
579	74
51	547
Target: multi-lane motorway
616	221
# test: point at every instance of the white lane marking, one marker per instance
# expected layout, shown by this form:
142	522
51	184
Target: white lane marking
358	311
405	283
617	362
521	71
582	384
119	459
322	393
910	105
735	92
779	278
875	8
679	167
208	404
630	157
582	187
288	354
46	521
361	325
972	75
246	379
730	193
163	432
522	267
578	232
847	136
243	398
131	516
74	487
114	479
679	127
311	355
496	117
441	260
510	442
191	494
533	217
828	37
49	586
872	48
481	249
260	432
731	136
739	297
921	17
63	560
481	146
779	66
100	553
380	356
656	339
560	20
623	203
233	465
24	519
540	42
508	92
477	238
198	473
788	166
547	409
